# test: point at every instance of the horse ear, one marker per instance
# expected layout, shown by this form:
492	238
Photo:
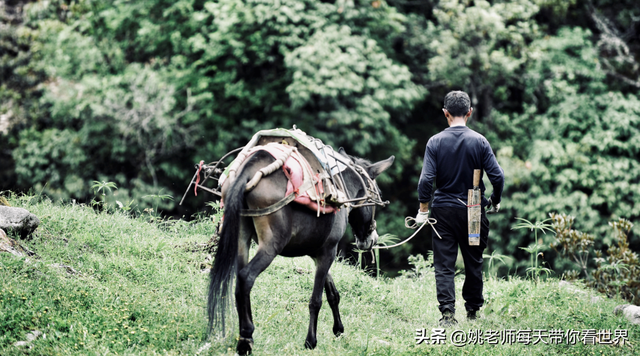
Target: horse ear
377	168
344	153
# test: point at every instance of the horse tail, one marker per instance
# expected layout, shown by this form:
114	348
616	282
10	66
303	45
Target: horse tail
224	265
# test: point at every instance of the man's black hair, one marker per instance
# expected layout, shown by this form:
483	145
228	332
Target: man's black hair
457	103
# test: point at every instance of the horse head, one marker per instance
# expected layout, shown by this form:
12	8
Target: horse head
362	216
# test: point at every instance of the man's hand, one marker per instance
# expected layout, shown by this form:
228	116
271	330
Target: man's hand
422	217
494	208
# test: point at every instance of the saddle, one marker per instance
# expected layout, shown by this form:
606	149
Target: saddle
313	169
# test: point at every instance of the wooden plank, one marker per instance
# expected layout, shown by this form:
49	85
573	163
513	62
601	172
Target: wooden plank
474	210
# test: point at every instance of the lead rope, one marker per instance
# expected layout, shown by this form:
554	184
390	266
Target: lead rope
410	223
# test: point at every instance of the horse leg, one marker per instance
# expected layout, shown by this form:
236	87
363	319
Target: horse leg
243	258
244	283
322	269
333	297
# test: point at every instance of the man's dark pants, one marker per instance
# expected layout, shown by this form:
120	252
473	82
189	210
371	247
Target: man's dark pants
452	226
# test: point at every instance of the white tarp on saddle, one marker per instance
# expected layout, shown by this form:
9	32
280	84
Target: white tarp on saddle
330	160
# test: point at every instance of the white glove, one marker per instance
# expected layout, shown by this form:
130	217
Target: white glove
422	217
494	208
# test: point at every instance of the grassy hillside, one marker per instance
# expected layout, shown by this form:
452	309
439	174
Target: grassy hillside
106	283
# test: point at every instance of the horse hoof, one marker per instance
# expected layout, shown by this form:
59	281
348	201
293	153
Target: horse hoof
308	344
338	331
245	346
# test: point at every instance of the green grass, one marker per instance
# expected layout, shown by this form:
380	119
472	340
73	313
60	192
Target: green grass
140	291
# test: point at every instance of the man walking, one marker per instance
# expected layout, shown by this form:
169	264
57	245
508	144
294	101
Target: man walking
450	159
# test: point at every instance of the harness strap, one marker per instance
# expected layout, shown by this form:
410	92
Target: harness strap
270	209
275	206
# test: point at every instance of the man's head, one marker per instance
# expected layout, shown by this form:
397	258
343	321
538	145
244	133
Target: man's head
457	103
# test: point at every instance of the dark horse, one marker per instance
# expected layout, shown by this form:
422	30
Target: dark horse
292	231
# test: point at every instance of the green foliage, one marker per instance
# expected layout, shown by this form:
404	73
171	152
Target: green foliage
21	76
618	273
347	81
103	186
493	257
421	267
571	243
614	273
482	49
541	226
535	250
47	155
535	270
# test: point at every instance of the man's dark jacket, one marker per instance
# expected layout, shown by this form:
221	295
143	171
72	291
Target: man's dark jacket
450	158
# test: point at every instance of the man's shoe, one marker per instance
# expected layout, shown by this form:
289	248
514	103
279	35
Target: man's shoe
471	315
447	319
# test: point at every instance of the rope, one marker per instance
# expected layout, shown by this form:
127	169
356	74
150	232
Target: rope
265	171
410	223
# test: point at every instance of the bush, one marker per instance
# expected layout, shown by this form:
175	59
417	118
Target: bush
619	272
616	274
